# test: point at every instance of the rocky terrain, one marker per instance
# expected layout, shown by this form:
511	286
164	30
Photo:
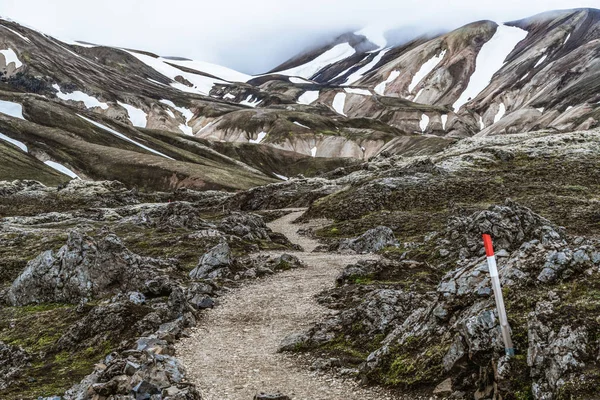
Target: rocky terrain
173	229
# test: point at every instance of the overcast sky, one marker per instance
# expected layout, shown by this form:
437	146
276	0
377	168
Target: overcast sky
253	36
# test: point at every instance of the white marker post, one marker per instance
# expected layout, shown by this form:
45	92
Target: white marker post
491	259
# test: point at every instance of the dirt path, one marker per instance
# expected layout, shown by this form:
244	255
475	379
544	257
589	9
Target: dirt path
233	354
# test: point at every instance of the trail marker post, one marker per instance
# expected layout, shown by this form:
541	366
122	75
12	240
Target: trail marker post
491	260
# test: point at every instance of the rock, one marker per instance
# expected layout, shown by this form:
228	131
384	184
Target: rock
217	258
444	388
80	270
250	227
14	360
371	241
293	341
144	391
271	396
131	368
137	298
201	302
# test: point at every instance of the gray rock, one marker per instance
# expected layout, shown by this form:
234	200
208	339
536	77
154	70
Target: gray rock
217	258
13	361
144	390
137	298
80	270
371	241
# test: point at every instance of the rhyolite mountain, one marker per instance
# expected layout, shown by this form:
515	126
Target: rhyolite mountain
75	109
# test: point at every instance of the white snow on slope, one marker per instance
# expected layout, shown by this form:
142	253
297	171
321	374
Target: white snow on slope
444	121
481	123
12	109
62	169
259	138
17	143
540	61
17	33
360	73
541	109
333	55
418	94
567	38
250	102
187	114
489	60
308	97
295	79
375	34
339	101
202	84
229	96
362	92
426	69
283	178
380	89
299	124
219	71
88	100
121	136
313	151
424	123
500	113
137	116
10	56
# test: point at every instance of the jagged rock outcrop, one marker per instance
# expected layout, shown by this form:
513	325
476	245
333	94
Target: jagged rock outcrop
214	263
14	359
81	270
371	241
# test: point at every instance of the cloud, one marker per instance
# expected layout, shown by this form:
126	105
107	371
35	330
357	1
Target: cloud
253	36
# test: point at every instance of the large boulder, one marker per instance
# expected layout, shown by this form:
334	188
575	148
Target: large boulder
214	263
371	241
81	270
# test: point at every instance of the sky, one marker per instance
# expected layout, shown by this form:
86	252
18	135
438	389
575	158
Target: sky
257	35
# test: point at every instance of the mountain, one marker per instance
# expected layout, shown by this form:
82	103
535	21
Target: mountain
102	112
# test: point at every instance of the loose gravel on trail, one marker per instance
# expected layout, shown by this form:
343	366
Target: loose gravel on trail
232	354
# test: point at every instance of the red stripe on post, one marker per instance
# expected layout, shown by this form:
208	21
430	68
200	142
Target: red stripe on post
487	243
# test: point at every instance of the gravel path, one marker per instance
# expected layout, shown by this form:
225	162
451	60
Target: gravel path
233	353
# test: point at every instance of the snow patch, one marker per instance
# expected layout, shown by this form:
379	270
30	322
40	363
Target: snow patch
333	55
62	169
541	109
89	101
219	71
481	123
426	69
567	38
362	92
187	114
500	113
137	116
17	143
12	109
295	79
17	33
313	151
424	123
339	101
283	178
541	60
308	97
11	57
362	71
299	124
418	94
380	89
489	60
259	139
444	121
229	96
249	102
201	84
121	136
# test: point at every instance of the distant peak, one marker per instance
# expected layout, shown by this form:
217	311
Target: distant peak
375	34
